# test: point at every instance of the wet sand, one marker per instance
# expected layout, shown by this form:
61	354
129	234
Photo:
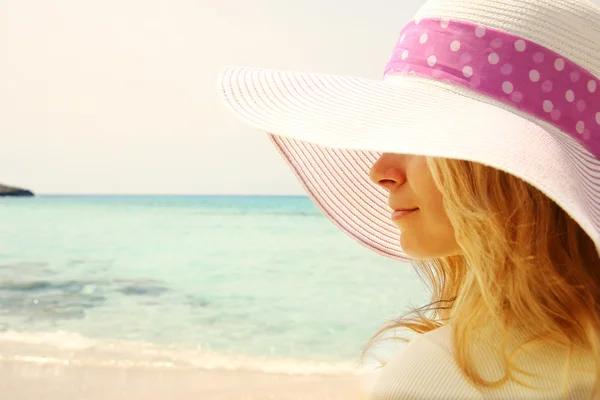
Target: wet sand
34	381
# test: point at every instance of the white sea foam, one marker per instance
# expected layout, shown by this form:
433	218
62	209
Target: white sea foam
69	348
59	339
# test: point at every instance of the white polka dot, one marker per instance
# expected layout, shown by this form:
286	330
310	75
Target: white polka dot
402	37
494	58
444	22
507	87
431	60
580	127
520	45
467	71
555	114
570	96
517	97
480	31
559	64
538	57
404	54
506	69
598	118
581	105
455	45
548	106
417	21
534	75
574	75
592	86
423	38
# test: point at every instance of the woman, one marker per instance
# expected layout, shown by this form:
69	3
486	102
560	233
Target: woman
484	141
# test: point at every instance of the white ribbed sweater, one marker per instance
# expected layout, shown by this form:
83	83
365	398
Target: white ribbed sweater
426	369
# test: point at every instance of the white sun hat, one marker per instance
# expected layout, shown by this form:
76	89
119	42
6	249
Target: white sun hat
513	84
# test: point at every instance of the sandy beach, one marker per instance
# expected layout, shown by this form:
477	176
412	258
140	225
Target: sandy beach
33	381
76	370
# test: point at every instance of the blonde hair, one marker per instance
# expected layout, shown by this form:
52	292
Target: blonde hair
525	263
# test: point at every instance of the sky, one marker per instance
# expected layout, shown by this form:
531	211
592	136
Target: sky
119	96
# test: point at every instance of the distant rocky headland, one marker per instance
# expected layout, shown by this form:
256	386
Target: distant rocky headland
14	191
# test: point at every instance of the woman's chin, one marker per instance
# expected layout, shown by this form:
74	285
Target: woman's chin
419	249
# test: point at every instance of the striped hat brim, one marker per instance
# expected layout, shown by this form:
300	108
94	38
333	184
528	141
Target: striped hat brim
330	129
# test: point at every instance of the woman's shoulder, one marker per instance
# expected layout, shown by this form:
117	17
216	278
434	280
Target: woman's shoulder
427	369
424	369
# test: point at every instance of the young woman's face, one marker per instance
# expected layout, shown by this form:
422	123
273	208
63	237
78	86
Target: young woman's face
417	206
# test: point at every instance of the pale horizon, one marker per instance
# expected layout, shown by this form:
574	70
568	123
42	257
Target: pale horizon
119	97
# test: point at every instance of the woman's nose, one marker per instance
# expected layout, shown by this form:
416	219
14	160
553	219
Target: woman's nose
388	171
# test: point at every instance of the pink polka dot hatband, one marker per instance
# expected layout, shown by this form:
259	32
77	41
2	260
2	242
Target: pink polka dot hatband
506	67
513	84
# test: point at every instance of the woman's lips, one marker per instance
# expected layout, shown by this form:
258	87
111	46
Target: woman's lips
399	214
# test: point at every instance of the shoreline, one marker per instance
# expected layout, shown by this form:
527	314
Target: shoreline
69	367
26	380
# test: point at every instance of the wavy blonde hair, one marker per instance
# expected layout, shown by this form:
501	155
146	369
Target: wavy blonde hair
525	263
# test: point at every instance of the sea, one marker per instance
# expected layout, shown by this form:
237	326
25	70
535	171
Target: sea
217	282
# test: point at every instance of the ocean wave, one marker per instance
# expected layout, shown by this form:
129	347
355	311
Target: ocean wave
59	339
70	348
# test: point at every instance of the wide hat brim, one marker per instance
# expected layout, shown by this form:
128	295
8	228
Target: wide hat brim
330	129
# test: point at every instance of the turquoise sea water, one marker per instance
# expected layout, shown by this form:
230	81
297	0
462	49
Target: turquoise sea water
255	282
